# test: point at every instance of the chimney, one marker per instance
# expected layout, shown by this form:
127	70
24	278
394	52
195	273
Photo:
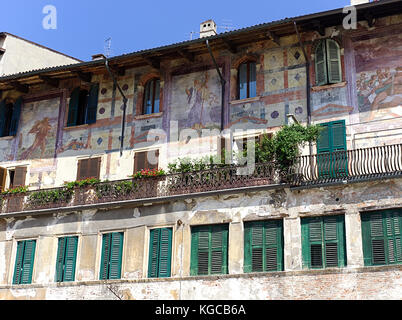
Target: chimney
208	28
357	2
98	56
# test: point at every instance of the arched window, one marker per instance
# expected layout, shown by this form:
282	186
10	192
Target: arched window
247	80
327	63
151	96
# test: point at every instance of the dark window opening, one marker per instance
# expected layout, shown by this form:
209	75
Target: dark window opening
82	107
11	174
8	118
151	97
247	80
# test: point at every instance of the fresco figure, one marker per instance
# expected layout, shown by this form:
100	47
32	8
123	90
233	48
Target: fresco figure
40	130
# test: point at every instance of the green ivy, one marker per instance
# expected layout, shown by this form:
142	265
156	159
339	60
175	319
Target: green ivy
50	196
116	189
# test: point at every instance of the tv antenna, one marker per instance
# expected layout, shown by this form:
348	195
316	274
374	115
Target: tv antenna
108	47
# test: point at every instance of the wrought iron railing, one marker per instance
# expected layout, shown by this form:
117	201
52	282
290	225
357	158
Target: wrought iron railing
360	164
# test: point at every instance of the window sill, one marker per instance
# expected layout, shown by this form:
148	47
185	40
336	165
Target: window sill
148	116
81	126
7	138
329	86
242	101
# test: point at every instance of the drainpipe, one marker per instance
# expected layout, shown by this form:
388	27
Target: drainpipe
223	84
123	119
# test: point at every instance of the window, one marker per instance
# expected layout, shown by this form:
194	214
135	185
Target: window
142	160
151	96
112	251
24	262
66	258
88	168
328	63
381	231
332	160
323	242
83	106
263	246
209	250
247	80
9	117
160	253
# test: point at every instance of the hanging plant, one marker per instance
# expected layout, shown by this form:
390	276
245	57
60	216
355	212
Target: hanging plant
81	183
17	190
115	189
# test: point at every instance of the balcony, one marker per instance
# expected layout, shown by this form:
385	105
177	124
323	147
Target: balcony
338	167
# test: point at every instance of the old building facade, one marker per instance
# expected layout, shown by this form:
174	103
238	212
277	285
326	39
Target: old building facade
332	231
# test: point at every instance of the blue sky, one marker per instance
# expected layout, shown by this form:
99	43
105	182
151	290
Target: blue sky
84	25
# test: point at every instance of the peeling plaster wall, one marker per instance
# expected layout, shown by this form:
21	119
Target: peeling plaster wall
352	282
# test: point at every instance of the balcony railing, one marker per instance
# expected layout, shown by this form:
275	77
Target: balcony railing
353	165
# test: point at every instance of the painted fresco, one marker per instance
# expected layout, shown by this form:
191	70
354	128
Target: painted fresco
196	100
379	77
38	129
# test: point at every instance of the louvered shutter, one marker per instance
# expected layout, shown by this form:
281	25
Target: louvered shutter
323	151
116	251
334	61
315	237
165	253
150	165
3	176
257	247
20	176
71	244
73	108
3	111
93	168
203	251
381	233
15	119
323	242
242	82
321	64
153	253
273	246
104	271
209	250
92	107
218	250
28	261
82	169
18	262
60	259
140	161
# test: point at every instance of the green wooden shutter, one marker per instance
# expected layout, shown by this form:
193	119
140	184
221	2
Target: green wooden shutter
323	242
73	108
66	259
321	64
104	272
116	251
209	250
60	259
70	259
165	253
18	262
24	262
153	253
381	232
334	61
15	119
92	108
2	117
263	246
